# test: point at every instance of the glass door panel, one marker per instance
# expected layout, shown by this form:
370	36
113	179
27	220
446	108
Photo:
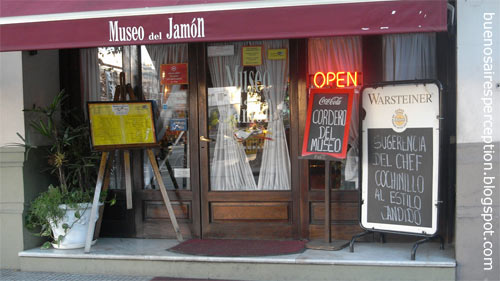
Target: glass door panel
165	81
162	68
248	116
244	142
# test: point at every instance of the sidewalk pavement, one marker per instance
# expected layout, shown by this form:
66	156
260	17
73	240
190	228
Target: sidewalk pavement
14	275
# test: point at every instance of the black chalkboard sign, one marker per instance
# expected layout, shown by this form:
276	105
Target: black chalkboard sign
399	166
400	149
327	123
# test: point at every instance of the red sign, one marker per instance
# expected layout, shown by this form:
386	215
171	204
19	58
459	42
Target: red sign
339	79
327	123
174	74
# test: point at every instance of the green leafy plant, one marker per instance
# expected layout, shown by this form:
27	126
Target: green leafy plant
70	158
69	154
46	208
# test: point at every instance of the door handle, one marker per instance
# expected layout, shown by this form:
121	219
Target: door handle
203	138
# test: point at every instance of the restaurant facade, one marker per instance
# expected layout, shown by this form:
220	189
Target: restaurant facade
229	81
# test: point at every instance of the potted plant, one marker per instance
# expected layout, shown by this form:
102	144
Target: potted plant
63	211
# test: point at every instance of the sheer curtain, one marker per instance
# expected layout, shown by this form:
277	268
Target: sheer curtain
409	56
341	54
90	77
275	167
230	169
167	53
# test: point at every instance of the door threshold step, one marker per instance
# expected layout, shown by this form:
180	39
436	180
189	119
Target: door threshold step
370	261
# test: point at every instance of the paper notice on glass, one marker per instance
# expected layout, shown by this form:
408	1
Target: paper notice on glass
251	55
220	51
181	172
177	100
276	54
224	95
174	74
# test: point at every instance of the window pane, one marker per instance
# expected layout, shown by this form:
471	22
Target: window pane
337	54
409	56
110	66
248	115
172	113
337	175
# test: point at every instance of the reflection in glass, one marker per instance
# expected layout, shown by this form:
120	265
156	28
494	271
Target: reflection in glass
171	113
110	61
230	168
334	54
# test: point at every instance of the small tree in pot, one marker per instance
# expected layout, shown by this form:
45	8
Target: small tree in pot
63	211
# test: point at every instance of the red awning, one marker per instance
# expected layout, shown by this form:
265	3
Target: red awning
42	24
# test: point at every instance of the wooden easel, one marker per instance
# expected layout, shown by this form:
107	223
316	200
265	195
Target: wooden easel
104	171
120	95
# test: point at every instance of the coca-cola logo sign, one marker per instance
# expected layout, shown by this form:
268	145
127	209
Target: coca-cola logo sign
330	101
327	123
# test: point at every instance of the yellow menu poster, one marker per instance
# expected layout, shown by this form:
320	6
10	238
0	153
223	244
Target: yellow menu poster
121	123
251	55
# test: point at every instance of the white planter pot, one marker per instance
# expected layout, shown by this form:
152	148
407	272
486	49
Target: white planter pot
76	235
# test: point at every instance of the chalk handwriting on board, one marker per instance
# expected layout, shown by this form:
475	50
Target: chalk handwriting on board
398	166
327	126
327	120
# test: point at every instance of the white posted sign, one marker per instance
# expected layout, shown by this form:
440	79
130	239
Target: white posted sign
400	158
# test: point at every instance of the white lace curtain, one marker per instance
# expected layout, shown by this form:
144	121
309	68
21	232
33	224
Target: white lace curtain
275	167
409	56
230	169
341	54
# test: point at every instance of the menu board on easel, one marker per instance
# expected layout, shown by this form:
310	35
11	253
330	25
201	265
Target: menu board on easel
127	124
400	158
327	123
123	125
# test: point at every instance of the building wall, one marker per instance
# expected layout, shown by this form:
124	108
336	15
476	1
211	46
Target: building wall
477	102
11	159
25	79
11	97
40	86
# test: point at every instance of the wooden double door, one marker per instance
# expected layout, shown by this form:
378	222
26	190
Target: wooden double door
202	206
206	210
